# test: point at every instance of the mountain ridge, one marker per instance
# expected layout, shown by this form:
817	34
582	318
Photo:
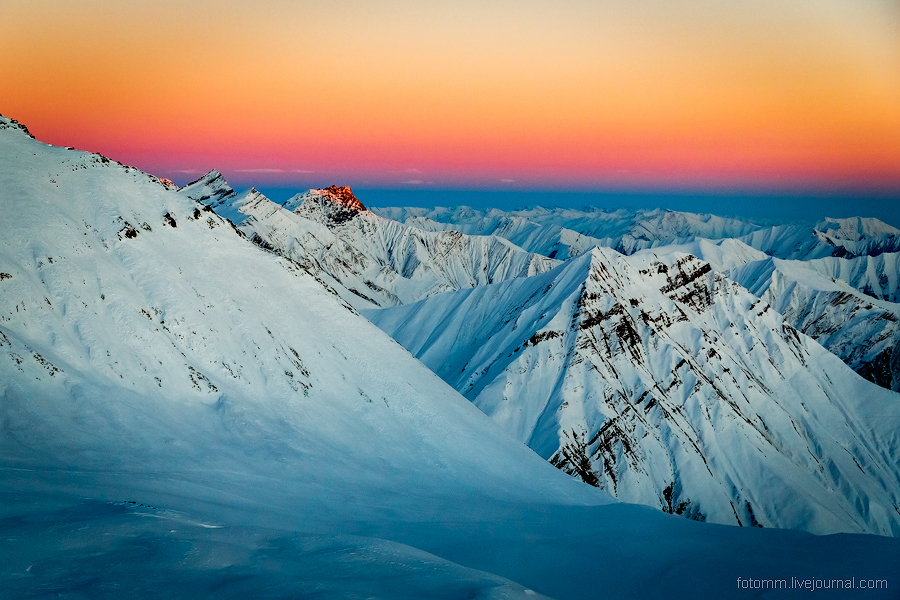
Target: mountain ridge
184	414
378	261
636	373
628	231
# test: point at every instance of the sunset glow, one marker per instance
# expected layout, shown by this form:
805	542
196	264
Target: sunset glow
527	94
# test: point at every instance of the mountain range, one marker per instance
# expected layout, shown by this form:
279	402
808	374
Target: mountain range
564	233
625	389
192	405
666	383
380	262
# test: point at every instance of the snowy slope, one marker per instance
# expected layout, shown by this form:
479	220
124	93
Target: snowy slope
833	300
667	384
149	353
848	237
722	255
127	298
381	262
877	276
863	331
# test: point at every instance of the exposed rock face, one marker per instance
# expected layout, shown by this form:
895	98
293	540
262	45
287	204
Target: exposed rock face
861	329
343	195
167	183
366	259
6	123
665	383
333	205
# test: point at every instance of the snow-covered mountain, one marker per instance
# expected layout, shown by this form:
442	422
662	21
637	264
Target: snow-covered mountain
152	319
863	331
722	255
833	300
848	237
549	239
665	383
150	355
877	276
379	261
185	415
563	233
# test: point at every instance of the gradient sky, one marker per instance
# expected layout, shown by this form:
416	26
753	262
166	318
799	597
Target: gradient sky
524	94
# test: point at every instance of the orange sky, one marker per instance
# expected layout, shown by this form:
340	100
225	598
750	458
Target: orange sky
582	93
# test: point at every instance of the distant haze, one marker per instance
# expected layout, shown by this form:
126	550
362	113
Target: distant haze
758	95
808	208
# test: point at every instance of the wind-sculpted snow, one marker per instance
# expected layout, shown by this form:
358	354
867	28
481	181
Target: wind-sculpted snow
665	383
379	261
863	331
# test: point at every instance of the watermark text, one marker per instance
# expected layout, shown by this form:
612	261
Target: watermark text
811	583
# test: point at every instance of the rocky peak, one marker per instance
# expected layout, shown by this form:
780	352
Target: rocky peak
331	206
167	183
7	123
211	176
211	189
343	195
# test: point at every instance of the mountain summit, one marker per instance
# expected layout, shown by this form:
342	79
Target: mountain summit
367	259
332	205
668	384
343	195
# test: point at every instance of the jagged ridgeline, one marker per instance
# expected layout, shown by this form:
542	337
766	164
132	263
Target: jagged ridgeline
184	413
369	260
565	233
634	428
373	260
666	383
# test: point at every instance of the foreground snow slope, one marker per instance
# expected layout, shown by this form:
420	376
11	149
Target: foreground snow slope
158	323
379	261
151	353
184	415
665	383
